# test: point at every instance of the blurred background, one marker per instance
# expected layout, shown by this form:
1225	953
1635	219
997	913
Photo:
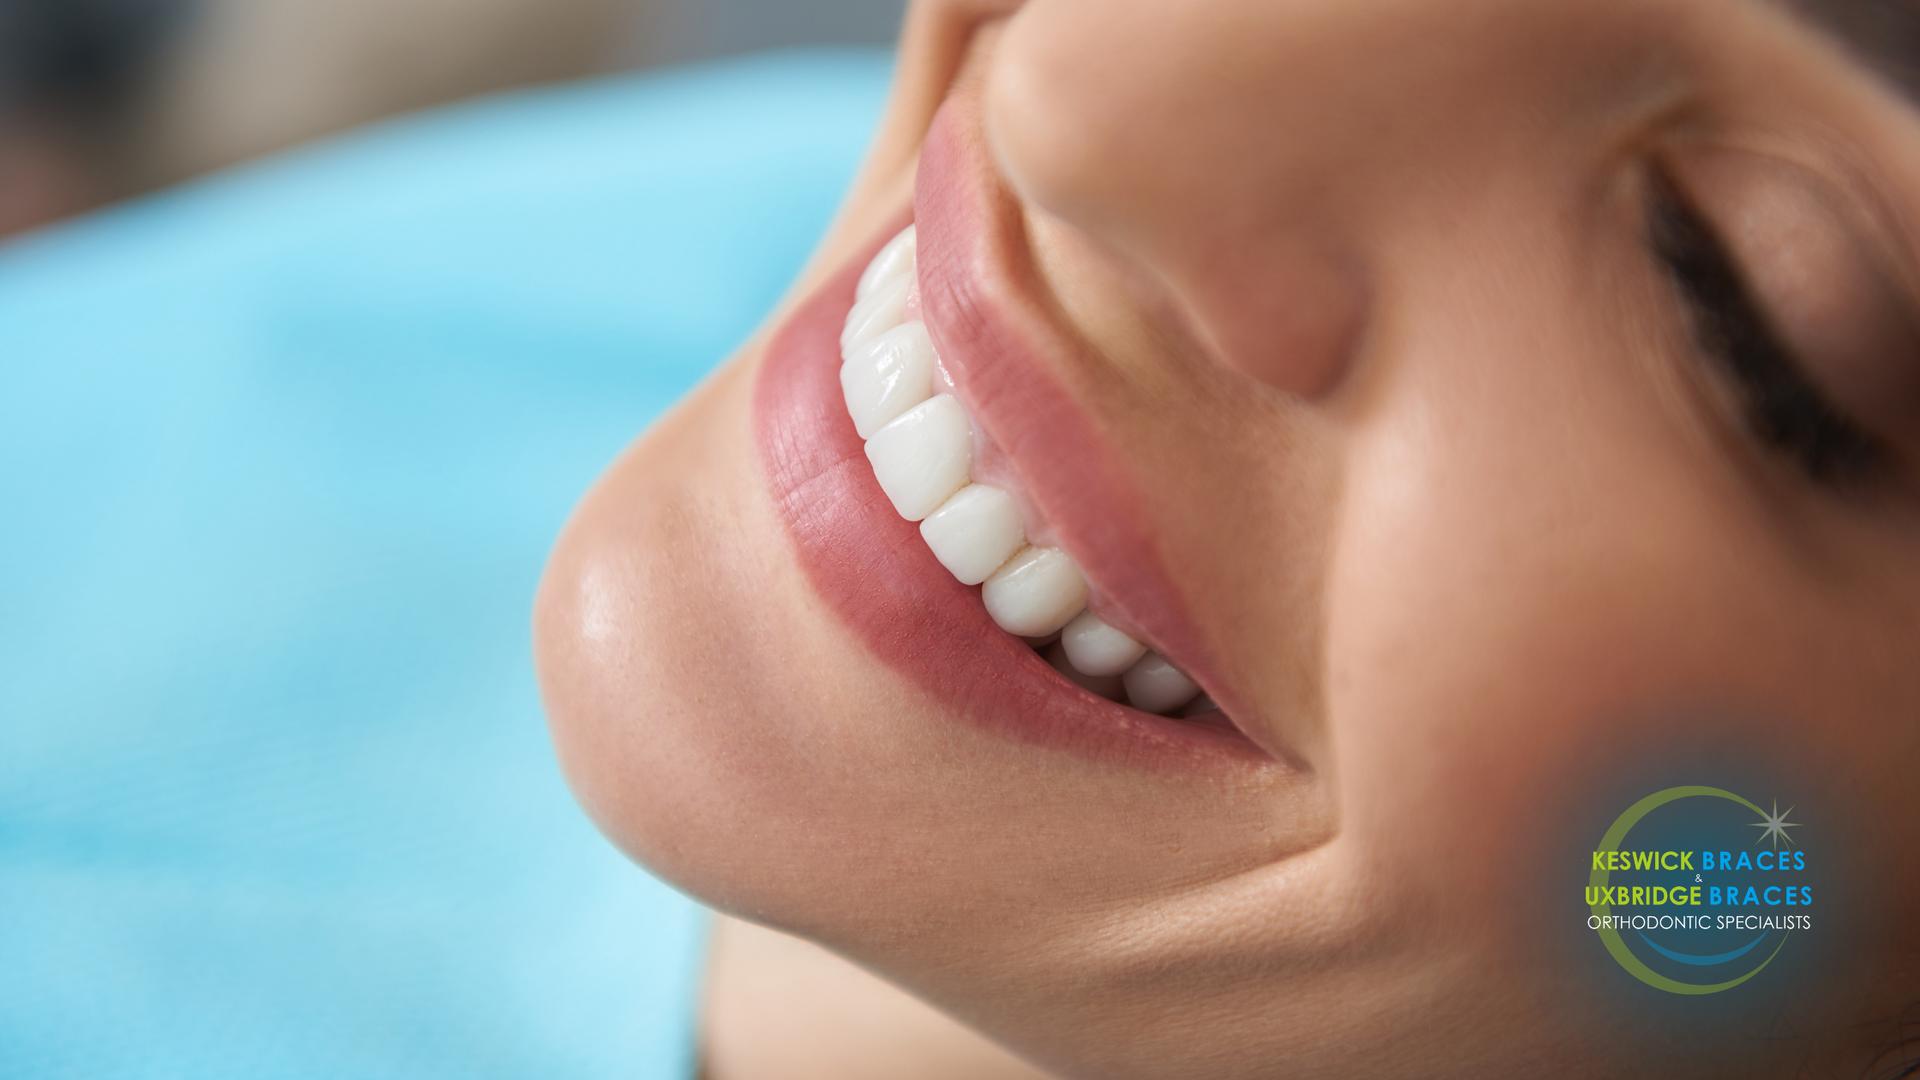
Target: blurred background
282	453
101	100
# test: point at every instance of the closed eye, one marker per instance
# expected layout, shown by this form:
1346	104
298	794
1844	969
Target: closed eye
1782	406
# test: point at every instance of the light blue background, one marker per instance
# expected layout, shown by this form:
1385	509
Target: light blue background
281	456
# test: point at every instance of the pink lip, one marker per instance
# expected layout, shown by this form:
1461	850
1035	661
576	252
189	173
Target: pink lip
872	567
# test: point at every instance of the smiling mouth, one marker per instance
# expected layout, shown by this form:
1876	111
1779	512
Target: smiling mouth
957	508
936	467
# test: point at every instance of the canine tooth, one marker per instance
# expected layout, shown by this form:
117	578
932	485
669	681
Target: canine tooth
922	456
1036	592
894	260
887	376
1098	649
974	532
1106	686
1155	686
880	312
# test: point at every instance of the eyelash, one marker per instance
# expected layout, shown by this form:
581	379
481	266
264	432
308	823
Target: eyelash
1783	407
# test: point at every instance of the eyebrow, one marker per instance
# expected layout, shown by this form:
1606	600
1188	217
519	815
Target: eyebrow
1884	34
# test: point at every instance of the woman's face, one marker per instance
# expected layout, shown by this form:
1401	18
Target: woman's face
1479	400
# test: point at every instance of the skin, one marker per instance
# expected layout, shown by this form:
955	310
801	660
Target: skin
1470	523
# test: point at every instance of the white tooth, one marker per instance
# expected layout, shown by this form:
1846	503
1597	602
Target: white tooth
1098	649
880	312
1155	686
1200	706
974	532
922	457
1036	592
887	376
1106	686
895	260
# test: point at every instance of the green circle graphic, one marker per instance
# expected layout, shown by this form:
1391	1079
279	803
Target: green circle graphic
1611	935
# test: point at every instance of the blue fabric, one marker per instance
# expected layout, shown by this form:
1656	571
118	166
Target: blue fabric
281	455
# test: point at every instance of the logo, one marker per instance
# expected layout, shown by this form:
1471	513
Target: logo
1693	896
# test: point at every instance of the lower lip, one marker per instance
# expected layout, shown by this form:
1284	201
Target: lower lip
878	576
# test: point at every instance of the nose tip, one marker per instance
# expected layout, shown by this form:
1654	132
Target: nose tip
1222	185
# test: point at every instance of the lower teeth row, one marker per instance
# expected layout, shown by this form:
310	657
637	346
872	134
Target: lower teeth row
920	444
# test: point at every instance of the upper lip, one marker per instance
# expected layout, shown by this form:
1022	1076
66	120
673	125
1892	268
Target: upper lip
977	298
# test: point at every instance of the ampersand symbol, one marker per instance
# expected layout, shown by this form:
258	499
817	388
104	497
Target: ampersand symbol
1696	877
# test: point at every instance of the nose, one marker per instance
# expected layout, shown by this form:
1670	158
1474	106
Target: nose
1256	157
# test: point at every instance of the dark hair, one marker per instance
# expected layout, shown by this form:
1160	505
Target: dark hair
1883	33
80	54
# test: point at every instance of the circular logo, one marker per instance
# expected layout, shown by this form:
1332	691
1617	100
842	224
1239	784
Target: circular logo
1688	899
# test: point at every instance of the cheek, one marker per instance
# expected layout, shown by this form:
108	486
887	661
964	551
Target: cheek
1502	622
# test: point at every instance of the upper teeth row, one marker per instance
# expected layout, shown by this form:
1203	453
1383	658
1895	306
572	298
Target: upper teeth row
920	444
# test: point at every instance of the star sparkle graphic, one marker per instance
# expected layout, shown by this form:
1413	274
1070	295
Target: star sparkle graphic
1776	825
